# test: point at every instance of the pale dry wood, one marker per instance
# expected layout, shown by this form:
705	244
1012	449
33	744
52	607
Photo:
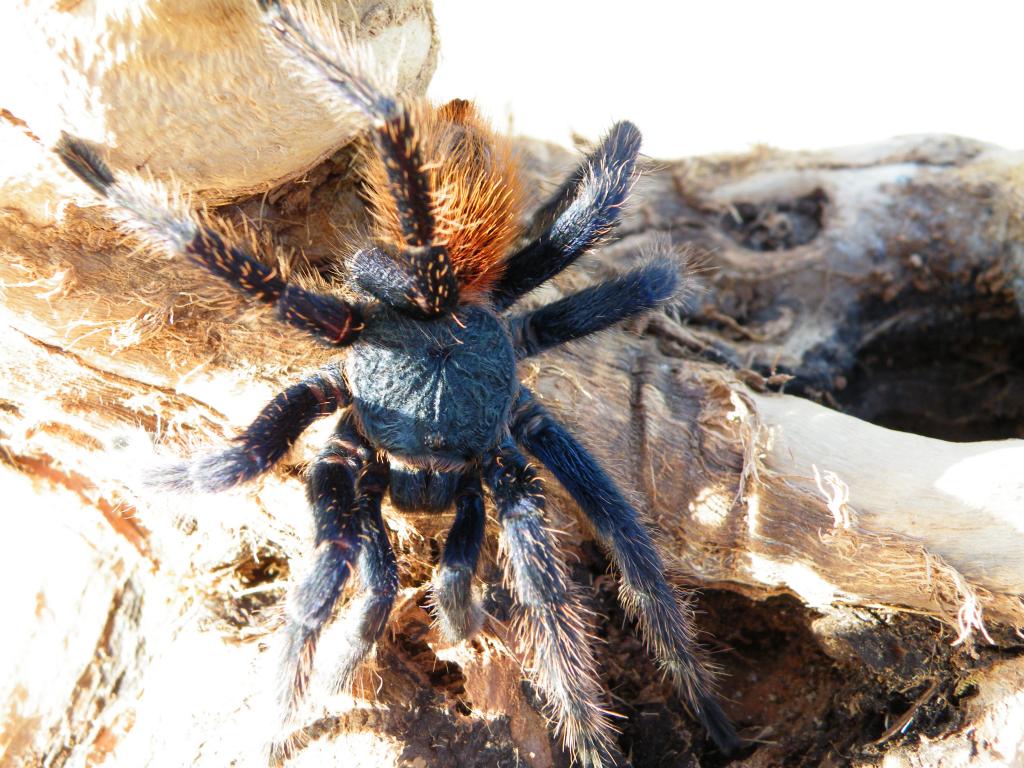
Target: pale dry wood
183	88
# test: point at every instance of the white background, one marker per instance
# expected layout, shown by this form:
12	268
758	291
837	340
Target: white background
703	77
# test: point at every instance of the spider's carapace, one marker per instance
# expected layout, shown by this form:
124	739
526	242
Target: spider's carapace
434	394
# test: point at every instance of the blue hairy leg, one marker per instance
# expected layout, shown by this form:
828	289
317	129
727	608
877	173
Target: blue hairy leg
265	441
593	309
603	183
367	615
659	609
550	621
458	613
434	288
337	534
178	230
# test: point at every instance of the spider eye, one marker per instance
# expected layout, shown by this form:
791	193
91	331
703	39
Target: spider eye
438	442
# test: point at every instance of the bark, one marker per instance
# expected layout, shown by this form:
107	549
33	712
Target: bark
862	583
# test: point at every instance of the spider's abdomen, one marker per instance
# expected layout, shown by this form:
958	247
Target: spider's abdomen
434	393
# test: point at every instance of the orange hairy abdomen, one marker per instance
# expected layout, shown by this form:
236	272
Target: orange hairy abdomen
476	193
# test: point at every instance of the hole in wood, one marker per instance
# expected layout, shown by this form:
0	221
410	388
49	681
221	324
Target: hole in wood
941	375
776	225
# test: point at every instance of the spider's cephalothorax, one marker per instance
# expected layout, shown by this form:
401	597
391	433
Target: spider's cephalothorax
431	409
434	393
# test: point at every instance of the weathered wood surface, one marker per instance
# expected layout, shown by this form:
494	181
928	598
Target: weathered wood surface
143	625
182	87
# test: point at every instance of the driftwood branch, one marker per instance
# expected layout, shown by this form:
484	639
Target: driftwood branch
876	287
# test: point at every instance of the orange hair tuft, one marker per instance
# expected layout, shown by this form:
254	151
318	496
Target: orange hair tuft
477	197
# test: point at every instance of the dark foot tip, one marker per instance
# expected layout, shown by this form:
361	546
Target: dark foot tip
719	728
83	161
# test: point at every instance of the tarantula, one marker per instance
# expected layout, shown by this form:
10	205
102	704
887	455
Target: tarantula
431	407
